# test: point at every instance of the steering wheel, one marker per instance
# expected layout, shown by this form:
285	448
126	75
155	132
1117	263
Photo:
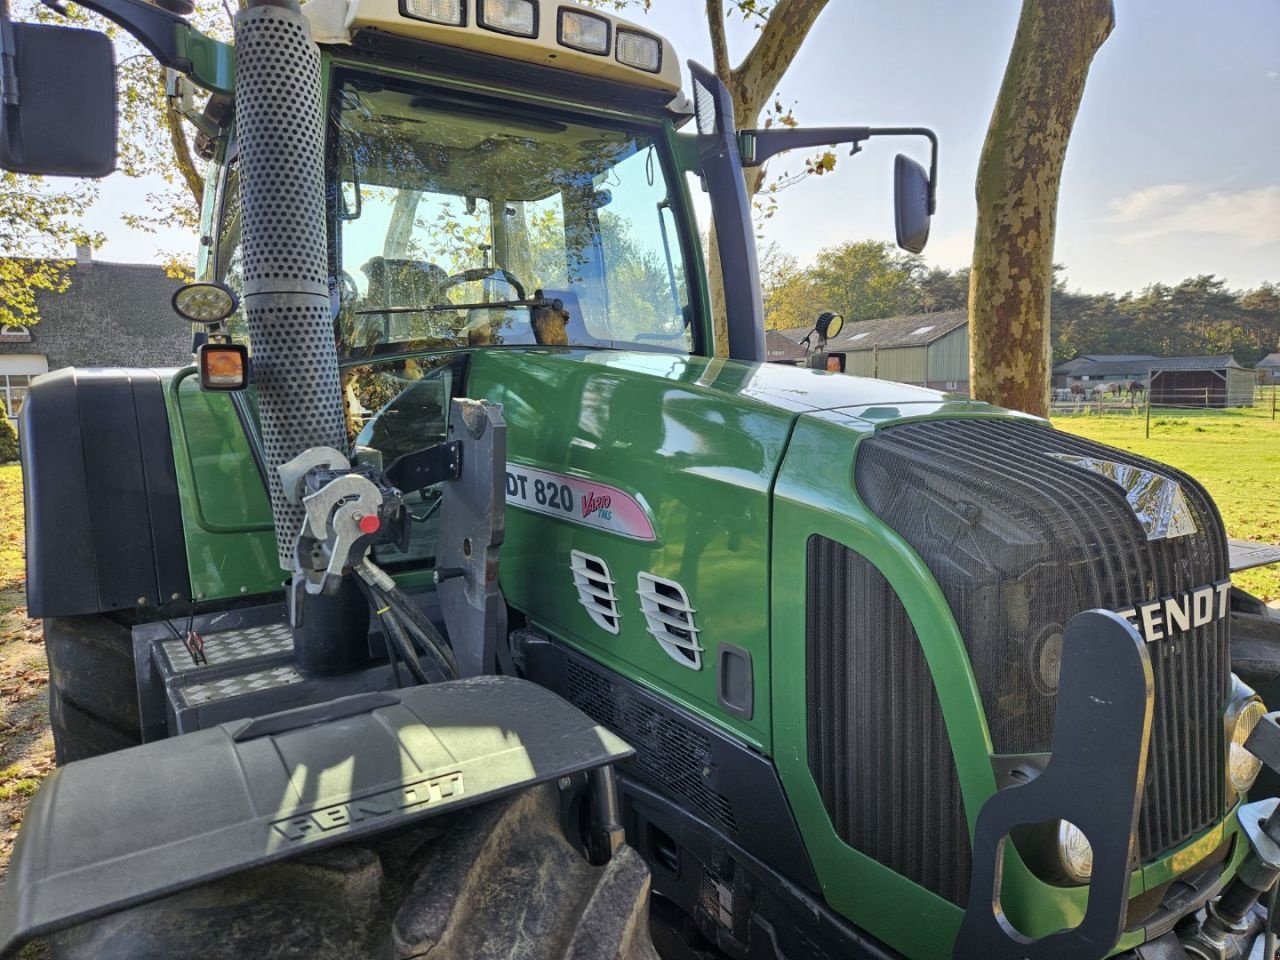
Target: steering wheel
481	273
348	291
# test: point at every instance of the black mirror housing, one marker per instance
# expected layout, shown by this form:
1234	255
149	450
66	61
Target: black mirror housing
911	203
58	116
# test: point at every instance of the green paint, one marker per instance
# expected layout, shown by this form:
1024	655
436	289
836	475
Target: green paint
213	63
231	544
675	434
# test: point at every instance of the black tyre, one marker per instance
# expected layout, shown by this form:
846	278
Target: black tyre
498	881
93	696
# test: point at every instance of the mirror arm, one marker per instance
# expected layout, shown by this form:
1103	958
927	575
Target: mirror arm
758	146
154	28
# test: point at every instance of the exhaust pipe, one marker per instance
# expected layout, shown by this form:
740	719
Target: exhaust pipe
280	127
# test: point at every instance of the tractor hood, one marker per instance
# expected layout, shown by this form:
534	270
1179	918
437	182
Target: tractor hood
661	469
789	389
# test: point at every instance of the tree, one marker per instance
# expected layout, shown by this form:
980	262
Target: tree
868	279
1019	172
37	223
753	84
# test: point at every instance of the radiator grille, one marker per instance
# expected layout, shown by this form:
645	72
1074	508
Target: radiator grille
1021	538
878	749
669	754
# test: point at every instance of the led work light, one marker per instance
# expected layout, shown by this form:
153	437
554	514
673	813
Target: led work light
447	12
584	31
639	50
206	303
517	17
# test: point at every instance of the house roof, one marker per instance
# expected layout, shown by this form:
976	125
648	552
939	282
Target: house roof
911	331
111	314
1270	360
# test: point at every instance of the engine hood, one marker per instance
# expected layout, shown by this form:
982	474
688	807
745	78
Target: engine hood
787	389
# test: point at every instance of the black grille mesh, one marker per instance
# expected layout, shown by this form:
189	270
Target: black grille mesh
669	754
1020	541
878	748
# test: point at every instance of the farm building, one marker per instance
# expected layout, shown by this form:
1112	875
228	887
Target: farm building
1090	369
112	314
1201	382
780	348
927	349
1268	368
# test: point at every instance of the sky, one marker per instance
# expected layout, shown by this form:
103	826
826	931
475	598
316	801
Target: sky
1173	169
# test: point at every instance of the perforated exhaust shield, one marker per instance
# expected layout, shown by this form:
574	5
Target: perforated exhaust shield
280	124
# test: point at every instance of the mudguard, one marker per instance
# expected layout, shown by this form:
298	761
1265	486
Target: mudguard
121	829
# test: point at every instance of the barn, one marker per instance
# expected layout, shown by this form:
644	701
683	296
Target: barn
926	349
1201	382
1268	368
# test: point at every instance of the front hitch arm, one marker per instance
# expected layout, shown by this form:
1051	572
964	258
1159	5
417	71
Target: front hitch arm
1094	780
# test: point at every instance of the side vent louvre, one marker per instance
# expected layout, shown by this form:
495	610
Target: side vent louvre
669	615
595	590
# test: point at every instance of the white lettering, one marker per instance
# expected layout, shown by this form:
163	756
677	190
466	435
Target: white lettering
1202	606
1177	613
1224	596
1151	623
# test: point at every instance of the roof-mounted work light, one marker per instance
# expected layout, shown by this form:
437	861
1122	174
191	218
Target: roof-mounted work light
450	13
639	50
584	31
516	17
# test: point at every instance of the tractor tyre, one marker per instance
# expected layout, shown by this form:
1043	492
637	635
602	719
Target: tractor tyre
93	694
494	881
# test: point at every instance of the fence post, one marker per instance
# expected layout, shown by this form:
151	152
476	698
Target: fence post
1149	386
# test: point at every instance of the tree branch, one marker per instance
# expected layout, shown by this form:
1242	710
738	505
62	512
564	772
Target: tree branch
719	42
182	158
757	77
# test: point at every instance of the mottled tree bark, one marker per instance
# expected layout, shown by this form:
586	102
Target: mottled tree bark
182	157
752	83
1017	191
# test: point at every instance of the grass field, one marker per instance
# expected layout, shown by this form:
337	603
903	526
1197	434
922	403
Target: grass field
11	570
1234	453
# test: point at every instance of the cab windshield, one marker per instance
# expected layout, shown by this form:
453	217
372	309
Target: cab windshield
464	223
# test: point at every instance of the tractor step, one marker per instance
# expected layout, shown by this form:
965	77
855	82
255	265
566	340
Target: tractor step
245	668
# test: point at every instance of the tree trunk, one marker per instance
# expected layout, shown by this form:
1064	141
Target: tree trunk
1017	192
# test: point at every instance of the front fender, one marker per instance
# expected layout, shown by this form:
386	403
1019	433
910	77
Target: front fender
113	831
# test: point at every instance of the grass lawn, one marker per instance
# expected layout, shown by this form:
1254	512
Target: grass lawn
11	568
26	746
1235	454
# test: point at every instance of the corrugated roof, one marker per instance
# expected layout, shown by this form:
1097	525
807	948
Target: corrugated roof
913	331
1220	362
1141	366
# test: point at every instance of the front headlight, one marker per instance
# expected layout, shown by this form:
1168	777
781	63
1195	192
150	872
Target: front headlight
1074	852
1243	714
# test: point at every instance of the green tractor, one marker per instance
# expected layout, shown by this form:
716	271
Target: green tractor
459	601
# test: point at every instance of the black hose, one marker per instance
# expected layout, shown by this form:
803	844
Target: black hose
424	630
398	642
1269	942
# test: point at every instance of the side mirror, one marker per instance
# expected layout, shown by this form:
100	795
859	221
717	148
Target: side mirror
910	204
58	115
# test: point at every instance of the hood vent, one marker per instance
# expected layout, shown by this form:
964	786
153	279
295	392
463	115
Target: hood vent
669	615
595	590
